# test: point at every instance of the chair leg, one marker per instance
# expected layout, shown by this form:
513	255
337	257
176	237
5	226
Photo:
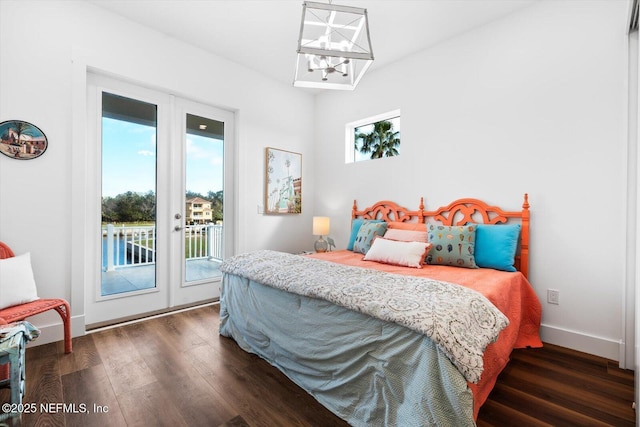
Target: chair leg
65	313
17	375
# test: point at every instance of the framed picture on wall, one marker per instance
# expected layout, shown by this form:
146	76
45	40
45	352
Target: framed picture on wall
283	192
21	140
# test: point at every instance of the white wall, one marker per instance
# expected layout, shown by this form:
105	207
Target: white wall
39	84
535	102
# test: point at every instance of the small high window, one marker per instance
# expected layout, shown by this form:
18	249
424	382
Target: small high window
373	138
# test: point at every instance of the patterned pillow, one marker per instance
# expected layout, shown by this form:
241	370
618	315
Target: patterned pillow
355	227
368	231
452	245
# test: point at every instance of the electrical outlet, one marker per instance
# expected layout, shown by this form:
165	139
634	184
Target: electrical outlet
553	296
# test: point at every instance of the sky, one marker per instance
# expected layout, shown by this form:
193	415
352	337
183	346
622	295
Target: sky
129	160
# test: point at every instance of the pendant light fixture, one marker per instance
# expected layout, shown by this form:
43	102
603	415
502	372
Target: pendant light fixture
334	46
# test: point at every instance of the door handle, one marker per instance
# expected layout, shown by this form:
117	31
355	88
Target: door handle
178	228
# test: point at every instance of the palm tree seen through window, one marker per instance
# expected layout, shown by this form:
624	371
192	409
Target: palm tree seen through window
377	140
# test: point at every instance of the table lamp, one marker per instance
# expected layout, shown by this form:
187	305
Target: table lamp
321	228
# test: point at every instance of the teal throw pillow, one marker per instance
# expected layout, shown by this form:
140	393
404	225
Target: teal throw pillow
452	245
368	231
356	223
496	246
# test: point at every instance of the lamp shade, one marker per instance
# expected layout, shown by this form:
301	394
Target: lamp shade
320	225
334	47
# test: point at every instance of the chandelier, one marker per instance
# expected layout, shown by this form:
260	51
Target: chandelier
334	47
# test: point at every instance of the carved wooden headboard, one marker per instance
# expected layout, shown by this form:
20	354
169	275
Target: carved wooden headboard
459	212
389	212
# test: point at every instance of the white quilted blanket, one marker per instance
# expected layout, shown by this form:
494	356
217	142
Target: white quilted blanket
461	321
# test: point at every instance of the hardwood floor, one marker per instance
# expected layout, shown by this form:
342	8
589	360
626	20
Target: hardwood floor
177	371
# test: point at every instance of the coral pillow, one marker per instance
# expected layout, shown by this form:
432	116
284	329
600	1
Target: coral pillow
406	235
407	254
414	226
17	285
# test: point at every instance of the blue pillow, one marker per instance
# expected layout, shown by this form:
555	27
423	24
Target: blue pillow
452	245
356	223
367	233
496	246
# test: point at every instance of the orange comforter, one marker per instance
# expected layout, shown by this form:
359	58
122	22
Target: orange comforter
511	293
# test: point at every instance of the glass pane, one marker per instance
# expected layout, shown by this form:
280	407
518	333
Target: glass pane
203	198
377	140
128	194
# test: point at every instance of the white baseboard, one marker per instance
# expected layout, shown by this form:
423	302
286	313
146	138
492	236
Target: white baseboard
603	347
55	331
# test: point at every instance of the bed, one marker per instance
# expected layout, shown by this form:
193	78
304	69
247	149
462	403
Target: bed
379	339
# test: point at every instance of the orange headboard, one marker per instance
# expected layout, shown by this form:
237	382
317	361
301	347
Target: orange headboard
389	211
459	212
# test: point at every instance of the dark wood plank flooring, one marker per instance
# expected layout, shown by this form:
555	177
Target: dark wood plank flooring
177	371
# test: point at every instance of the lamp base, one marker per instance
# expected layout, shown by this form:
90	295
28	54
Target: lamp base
321	245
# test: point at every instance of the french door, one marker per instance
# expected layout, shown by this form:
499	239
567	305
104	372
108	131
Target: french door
163	220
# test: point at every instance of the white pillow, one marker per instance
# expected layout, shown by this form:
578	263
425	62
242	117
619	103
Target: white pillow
407	254
17	285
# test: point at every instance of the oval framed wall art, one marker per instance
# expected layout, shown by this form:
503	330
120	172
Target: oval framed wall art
21	140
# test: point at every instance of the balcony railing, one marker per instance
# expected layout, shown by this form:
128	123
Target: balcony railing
125	246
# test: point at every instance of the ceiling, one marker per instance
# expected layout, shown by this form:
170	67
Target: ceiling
263	34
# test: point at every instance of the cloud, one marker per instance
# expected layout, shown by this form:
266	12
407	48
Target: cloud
195	150
146	153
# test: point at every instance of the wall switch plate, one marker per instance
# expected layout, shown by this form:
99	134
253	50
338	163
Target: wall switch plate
553	296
